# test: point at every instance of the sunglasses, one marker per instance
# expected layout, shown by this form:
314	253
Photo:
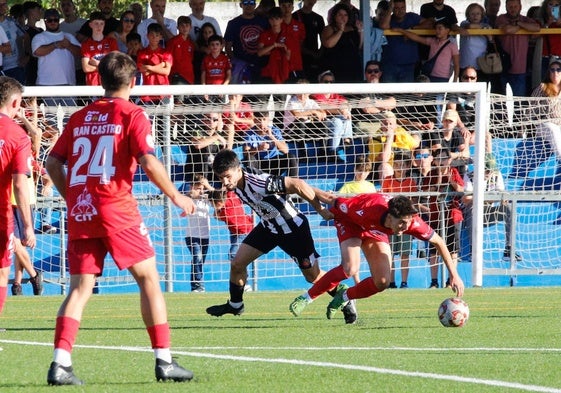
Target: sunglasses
373	71
128	20
469	77
423	155
555	69
248	2
52	20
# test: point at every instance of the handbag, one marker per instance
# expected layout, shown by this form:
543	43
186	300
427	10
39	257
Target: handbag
491	62
427	66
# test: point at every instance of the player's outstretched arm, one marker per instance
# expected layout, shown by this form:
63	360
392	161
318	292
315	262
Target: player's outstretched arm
303	189
157	174
455	280
325	196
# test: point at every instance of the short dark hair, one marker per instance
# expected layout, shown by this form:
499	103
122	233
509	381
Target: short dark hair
401	206
96	15
275	12
260	114
217	195
155	28
225	160
132	36
443	151
8	88
372	62
215	37
116	70
183	20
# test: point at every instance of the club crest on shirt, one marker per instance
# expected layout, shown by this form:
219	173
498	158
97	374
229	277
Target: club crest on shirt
343	207
83	210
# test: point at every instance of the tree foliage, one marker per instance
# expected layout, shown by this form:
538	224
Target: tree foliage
85	7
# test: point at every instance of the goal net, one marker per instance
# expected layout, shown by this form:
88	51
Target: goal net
327	134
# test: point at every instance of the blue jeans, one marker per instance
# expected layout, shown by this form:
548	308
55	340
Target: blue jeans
18	73
517	82
235	241
398	73
340	128
198	248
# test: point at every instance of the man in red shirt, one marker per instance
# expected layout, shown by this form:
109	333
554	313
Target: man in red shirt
15	156
95	47
364	222
101	145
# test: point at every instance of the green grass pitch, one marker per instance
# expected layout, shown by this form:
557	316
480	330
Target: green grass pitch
512	342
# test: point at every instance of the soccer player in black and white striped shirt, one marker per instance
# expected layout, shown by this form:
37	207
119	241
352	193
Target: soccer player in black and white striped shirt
282	225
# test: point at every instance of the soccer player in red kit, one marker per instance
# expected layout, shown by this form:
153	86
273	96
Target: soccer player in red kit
101	145
364	222
15	158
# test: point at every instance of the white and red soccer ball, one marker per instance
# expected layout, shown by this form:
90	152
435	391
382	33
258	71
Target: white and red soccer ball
453	312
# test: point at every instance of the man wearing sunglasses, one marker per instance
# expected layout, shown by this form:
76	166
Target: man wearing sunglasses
242	40
56	52
374	104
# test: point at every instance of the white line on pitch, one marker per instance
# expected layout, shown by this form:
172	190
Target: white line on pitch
401	349
352	367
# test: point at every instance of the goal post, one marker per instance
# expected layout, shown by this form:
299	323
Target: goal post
186	111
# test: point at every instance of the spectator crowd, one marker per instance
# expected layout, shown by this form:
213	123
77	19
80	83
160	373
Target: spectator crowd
406	149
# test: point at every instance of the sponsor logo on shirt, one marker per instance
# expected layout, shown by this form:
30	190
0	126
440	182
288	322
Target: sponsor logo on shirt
83	210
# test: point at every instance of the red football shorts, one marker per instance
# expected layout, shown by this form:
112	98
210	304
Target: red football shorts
128	247
7	242
347	230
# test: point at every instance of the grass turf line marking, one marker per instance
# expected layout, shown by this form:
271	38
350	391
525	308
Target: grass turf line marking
411	349
351	367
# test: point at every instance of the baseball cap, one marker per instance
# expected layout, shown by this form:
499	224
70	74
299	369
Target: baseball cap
51	13
554	59
450	114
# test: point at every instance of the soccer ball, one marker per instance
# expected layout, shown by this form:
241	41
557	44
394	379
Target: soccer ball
453	312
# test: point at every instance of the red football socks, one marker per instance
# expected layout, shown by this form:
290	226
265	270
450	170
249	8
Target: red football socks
3	294
66	331
159	335
329	281
363	289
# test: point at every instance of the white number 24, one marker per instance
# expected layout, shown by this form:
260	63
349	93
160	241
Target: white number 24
100	162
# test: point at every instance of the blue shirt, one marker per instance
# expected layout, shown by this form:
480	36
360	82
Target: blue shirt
399	50
253	139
